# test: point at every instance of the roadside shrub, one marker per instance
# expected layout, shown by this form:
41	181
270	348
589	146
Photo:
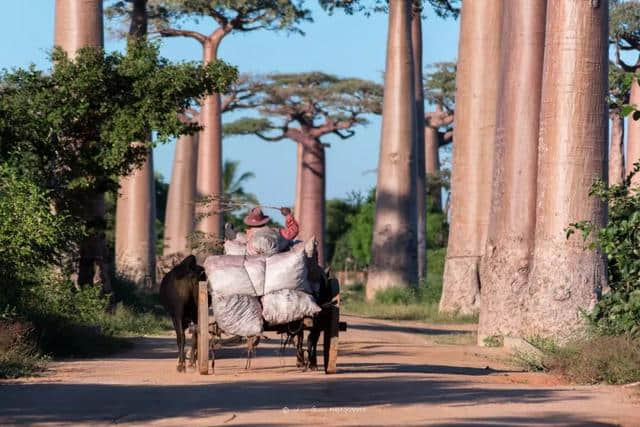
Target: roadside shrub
18	353
596	359
618	311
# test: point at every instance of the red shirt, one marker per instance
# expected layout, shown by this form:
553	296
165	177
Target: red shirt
290	230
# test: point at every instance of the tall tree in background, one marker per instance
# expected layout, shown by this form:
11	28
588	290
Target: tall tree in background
571	155
421	212
135	232
79	25
439	90
624	34
474	131
239	16
507	262
394	243
318	105
179	219
619	90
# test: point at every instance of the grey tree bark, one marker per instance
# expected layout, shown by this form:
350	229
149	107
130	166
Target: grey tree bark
506	264
394	246
572	154
633	133
180	214
416	44
616	149
135	232
474	132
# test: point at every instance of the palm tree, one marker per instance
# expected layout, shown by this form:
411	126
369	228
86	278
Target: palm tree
232	185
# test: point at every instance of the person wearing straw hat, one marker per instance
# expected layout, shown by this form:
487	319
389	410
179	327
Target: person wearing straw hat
257	221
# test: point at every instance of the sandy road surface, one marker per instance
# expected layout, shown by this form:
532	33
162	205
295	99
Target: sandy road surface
391	373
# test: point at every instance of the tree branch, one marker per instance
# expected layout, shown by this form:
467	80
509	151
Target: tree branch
174	32
626	67
270	138
348	134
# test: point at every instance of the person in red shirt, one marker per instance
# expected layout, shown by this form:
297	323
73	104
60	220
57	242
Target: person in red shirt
256	220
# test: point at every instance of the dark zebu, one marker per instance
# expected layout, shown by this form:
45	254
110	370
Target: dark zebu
179	295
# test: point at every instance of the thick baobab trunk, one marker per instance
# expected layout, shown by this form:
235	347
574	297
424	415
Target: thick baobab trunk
474	132
633	133
209	171
135	209
312	194
394	248
180	214
78	24
507	261
421	219
616	148
298	195
566	278
135	227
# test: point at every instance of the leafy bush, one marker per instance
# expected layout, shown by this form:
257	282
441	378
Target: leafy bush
618	312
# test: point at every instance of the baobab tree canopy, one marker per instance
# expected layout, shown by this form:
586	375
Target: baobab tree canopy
320	102
240	15
440	85
305	107
442	8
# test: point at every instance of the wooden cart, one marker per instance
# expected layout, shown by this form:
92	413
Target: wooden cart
326	321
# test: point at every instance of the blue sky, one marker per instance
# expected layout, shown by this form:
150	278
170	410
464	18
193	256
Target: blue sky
349	46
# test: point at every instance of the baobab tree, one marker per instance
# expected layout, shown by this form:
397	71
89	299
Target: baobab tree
394	243
507	261
477	79
180	215
439	89
619	90
304	108
230	16
135	232
79	25
624	34
571	155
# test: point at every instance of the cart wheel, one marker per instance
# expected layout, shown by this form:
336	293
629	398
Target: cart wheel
331	330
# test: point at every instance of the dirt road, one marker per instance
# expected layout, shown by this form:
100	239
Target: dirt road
391	373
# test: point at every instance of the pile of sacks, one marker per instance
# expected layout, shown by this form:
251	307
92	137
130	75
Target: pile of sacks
247	289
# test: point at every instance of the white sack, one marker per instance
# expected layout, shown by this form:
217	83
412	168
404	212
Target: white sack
255	267
238	314
287	306
227	276
286	270
234	247
264	242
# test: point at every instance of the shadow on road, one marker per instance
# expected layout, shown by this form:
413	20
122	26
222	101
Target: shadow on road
31	403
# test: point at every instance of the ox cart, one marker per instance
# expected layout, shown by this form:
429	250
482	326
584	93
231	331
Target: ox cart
326	322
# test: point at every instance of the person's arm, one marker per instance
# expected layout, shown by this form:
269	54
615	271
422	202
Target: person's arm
291	228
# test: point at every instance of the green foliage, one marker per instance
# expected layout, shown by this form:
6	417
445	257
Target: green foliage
618	311
619	89
440	85
493	341
71	129
352	248
401	303
238	15
624	23
442	8
162	194
320	103
31	234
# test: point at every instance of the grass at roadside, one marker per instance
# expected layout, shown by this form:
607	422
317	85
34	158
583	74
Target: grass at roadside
590	360
53	320
406	304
